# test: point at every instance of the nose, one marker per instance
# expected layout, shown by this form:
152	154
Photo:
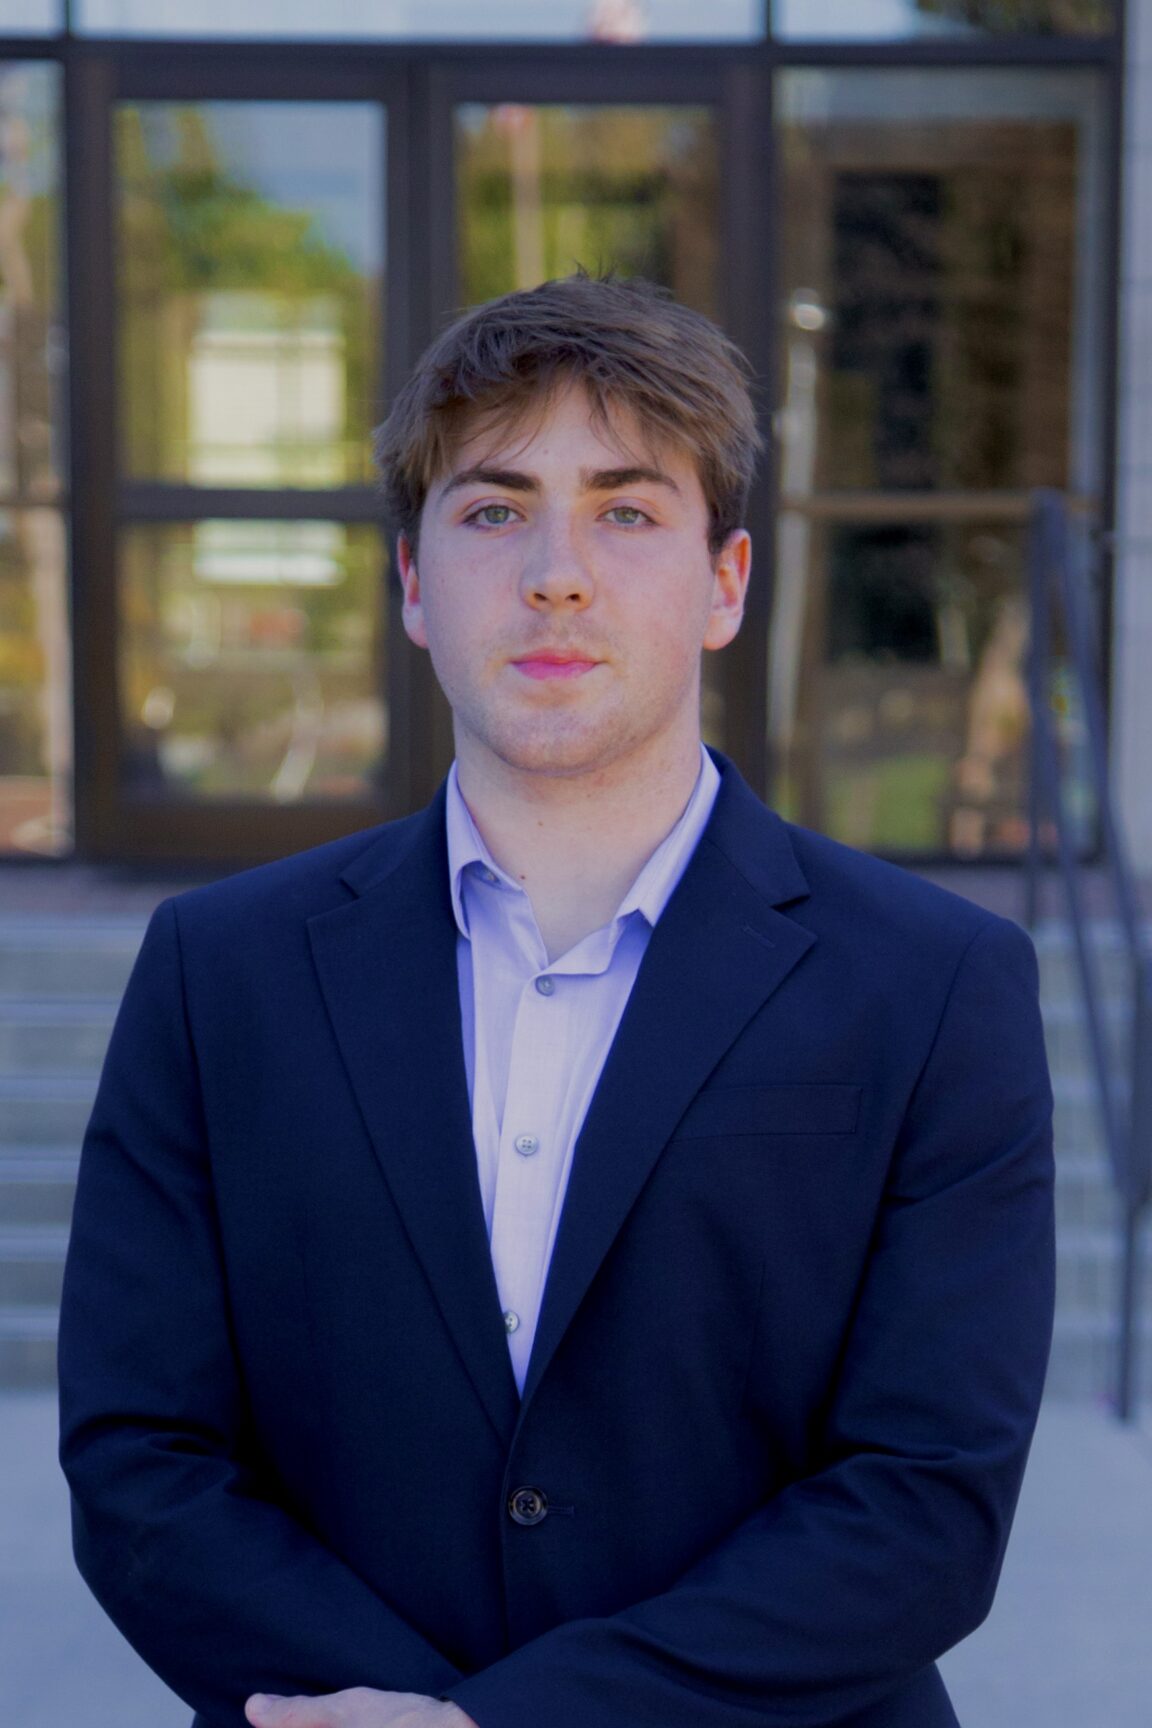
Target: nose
557	572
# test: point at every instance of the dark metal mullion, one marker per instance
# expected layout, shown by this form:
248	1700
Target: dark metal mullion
538	80
160	501
1111	338
748	312
199	74
89	89
435	295
401	293
980	52
32	47
172	66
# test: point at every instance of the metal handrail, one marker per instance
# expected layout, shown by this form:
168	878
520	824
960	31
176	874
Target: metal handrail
1059	574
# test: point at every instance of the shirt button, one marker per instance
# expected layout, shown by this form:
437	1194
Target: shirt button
511	1321
527	1506
488	875
526	1144
545	986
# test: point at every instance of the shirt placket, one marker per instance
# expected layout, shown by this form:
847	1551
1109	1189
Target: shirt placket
531	1156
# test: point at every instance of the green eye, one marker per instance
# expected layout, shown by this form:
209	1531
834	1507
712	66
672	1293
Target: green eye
627	515
494	515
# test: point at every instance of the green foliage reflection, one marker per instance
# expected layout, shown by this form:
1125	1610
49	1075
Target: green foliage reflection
249	343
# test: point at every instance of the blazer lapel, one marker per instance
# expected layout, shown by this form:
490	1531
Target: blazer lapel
387	968
717	954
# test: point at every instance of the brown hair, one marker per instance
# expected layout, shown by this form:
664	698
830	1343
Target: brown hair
627	342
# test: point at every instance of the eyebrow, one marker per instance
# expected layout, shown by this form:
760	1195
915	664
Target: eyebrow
591	479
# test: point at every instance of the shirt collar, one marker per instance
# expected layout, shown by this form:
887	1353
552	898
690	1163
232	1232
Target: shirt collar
649	893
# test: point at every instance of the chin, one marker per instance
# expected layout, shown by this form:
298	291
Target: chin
558	753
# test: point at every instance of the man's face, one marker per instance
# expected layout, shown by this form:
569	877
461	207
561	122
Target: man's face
565	589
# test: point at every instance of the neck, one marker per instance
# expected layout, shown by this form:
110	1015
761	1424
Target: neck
576	843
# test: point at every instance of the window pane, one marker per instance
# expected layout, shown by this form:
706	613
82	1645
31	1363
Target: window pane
899	704
31	17
942	246
882	20
424	20
35	671
250	661
251	258
35	684
543	189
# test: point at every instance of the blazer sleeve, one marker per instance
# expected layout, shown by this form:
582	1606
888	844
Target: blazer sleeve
176	1524
852	1580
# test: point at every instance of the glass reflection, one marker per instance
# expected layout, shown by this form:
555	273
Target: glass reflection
250	661
426	20
35	684
884	20
35	668
939	358
251	254
899	704
543	189
31	17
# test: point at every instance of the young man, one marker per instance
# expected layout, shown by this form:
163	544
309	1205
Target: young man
581	1255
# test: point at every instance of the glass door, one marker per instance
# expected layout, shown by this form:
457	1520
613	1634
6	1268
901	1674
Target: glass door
35	642
247	698
942	285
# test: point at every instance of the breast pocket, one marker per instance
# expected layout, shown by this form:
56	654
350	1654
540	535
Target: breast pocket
725	1111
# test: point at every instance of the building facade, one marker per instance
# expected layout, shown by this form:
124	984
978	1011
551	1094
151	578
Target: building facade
225	234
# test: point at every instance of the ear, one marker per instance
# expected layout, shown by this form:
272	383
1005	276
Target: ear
730	574
413	609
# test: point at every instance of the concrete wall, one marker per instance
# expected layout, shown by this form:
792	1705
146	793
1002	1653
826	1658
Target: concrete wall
1132	651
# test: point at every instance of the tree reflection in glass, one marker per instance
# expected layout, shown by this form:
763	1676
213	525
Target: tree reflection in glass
251	256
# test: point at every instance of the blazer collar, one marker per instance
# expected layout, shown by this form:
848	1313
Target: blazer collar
752	837
719	952
386	962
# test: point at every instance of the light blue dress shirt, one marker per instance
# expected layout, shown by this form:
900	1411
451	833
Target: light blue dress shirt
536	1036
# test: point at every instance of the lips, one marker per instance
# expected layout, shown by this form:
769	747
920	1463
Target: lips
544	665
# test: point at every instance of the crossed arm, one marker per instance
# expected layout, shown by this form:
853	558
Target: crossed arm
839	1590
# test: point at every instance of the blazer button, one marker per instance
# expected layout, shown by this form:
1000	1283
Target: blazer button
527	1506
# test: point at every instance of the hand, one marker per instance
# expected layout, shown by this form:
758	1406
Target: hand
359	1707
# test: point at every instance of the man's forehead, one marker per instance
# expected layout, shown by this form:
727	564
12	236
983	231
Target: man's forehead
494	437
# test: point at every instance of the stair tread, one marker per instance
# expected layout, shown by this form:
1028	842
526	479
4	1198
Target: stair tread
68	1083
55	1168
36	1321
32	1241
51	1010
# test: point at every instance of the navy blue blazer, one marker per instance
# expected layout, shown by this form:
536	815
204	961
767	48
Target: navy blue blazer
792	1341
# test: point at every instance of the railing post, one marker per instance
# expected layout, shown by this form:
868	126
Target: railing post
1039	654
1057	576
1127	1366
1137	1191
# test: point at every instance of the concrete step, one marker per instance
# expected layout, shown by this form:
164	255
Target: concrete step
1083	1363
69	957
1066	1037
32	1265
43	1035
1076	1116
1059	971
37	1186
1084	1194
1088	1274
45	1109
27	1347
